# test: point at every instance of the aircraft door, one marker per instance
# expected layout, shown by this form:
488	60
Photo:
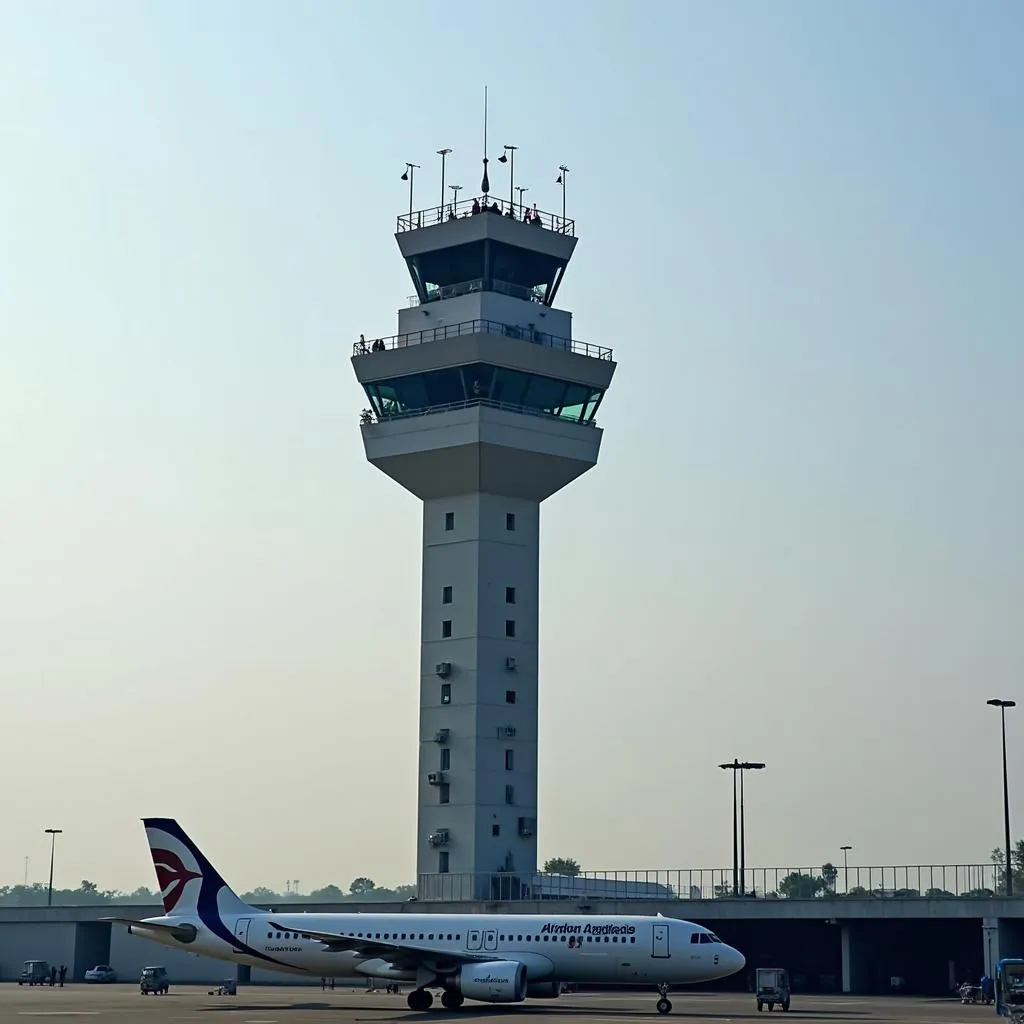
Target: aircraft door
473	939
660	941
490	939
242	929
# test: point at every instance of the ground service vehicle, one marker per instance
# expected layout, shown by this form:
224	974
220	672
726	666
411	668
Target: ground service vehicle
35	972
1010	989
155	980
772	988
101	974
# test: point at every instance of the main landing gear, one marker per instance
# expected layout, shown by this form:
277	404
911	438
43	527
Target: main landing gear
419	999
663	1004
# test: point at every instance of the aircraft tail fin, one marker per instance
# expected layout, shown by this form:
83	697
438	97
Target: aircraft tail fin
184	876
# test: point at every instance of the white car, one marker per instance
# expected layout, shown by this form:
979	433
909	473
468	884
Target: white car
102	973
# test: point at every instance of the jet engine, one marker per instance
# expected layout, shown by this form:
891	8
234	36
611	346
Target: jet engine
500	981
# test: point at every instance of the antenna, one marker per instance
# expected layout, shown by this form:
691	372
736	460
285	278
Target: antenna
485	185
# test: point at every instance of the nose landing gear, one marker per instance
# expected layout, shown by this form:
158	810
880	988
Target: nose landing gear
663	1004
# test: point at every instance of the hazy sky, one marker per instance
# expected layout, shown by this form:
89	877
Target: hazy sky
801	230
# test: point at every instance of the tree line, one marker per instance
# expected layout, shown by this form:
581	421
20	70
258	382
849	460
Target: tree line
361	889
89	894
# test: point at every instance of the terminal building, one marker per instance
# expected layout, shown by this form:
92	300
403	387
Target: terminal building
482	405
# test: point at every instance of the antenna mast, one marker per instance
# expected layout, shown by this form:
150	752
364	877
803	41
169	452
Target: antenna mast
485	185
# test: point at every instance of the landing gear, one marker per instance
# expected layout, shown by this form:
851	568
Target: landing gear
663	1004
419	999
452	1000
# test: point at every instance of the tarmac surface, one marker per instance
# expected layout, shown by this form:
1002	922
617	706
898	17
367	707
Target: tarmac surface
123	1004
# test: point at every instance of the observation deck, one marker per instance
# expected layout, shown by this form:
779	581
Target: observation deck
485	245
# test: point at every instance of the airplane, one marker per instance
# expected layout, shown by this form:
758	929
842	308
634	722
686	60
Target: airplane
490	958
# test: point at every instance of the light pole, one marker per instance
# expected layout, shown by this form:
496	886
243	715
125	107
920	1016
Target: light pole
735	837
455	199
739	856
560	180
442	153
846	867
521	189
52	833
407	175
1003	705
504	158
745	766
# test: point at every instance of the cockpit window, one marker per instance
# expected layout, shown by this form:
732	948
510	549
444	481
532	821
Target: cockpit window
715	938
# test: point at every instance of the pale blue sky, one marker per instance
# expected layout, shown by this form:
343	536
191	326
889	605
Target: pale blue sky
801	230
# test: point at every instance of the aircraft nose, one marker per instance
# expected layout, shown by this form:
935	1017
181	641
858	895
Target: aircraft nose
735	960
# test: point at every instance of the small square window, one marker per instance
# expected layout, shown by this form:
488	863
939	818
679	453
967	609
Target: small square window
510	795
446	595
446	628
446	693
510	696
510	760
495	830
510	520
510	595
446	759
510	627
449	520
442	862
444	794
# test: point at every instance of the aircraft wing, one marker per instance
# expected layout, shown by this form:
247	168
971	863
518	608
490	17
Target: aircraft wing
400	955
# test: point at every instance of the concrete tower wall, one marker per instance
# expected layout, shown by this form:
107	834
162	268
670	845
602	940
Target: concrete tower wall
484	306
480	582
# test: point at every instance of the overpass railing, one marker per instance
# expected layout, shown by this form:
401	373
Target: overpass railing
978	881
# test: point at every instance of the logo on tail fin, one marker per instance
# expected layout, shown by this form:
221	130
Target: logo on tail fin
172	877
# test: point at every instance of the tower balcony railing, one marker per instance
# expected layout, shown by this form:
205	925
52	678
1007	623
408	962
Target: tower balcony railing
443	333
487	206
369	417
930	881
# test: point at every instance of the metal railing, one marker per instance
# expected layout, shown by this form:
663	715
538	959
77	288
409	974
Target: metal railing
580	348
369	417
974	881
475	206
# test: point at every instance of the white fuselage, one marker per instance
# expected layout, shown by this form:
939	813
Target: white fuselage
628	950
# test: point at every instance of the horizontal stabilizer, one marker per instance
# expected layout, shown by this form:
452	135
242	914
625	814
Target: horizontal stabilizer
182	932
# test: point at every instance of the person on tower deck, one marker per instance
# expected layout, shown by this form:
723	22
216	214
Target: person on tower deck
476	206
536	216
511	211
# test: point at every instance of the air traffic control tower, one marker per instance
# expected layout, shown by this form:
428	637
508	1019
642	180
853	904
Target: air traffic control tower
482	405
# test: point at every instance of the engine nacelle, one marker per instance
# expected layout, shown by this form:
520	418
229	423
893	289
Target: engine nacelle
500	981
543	989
